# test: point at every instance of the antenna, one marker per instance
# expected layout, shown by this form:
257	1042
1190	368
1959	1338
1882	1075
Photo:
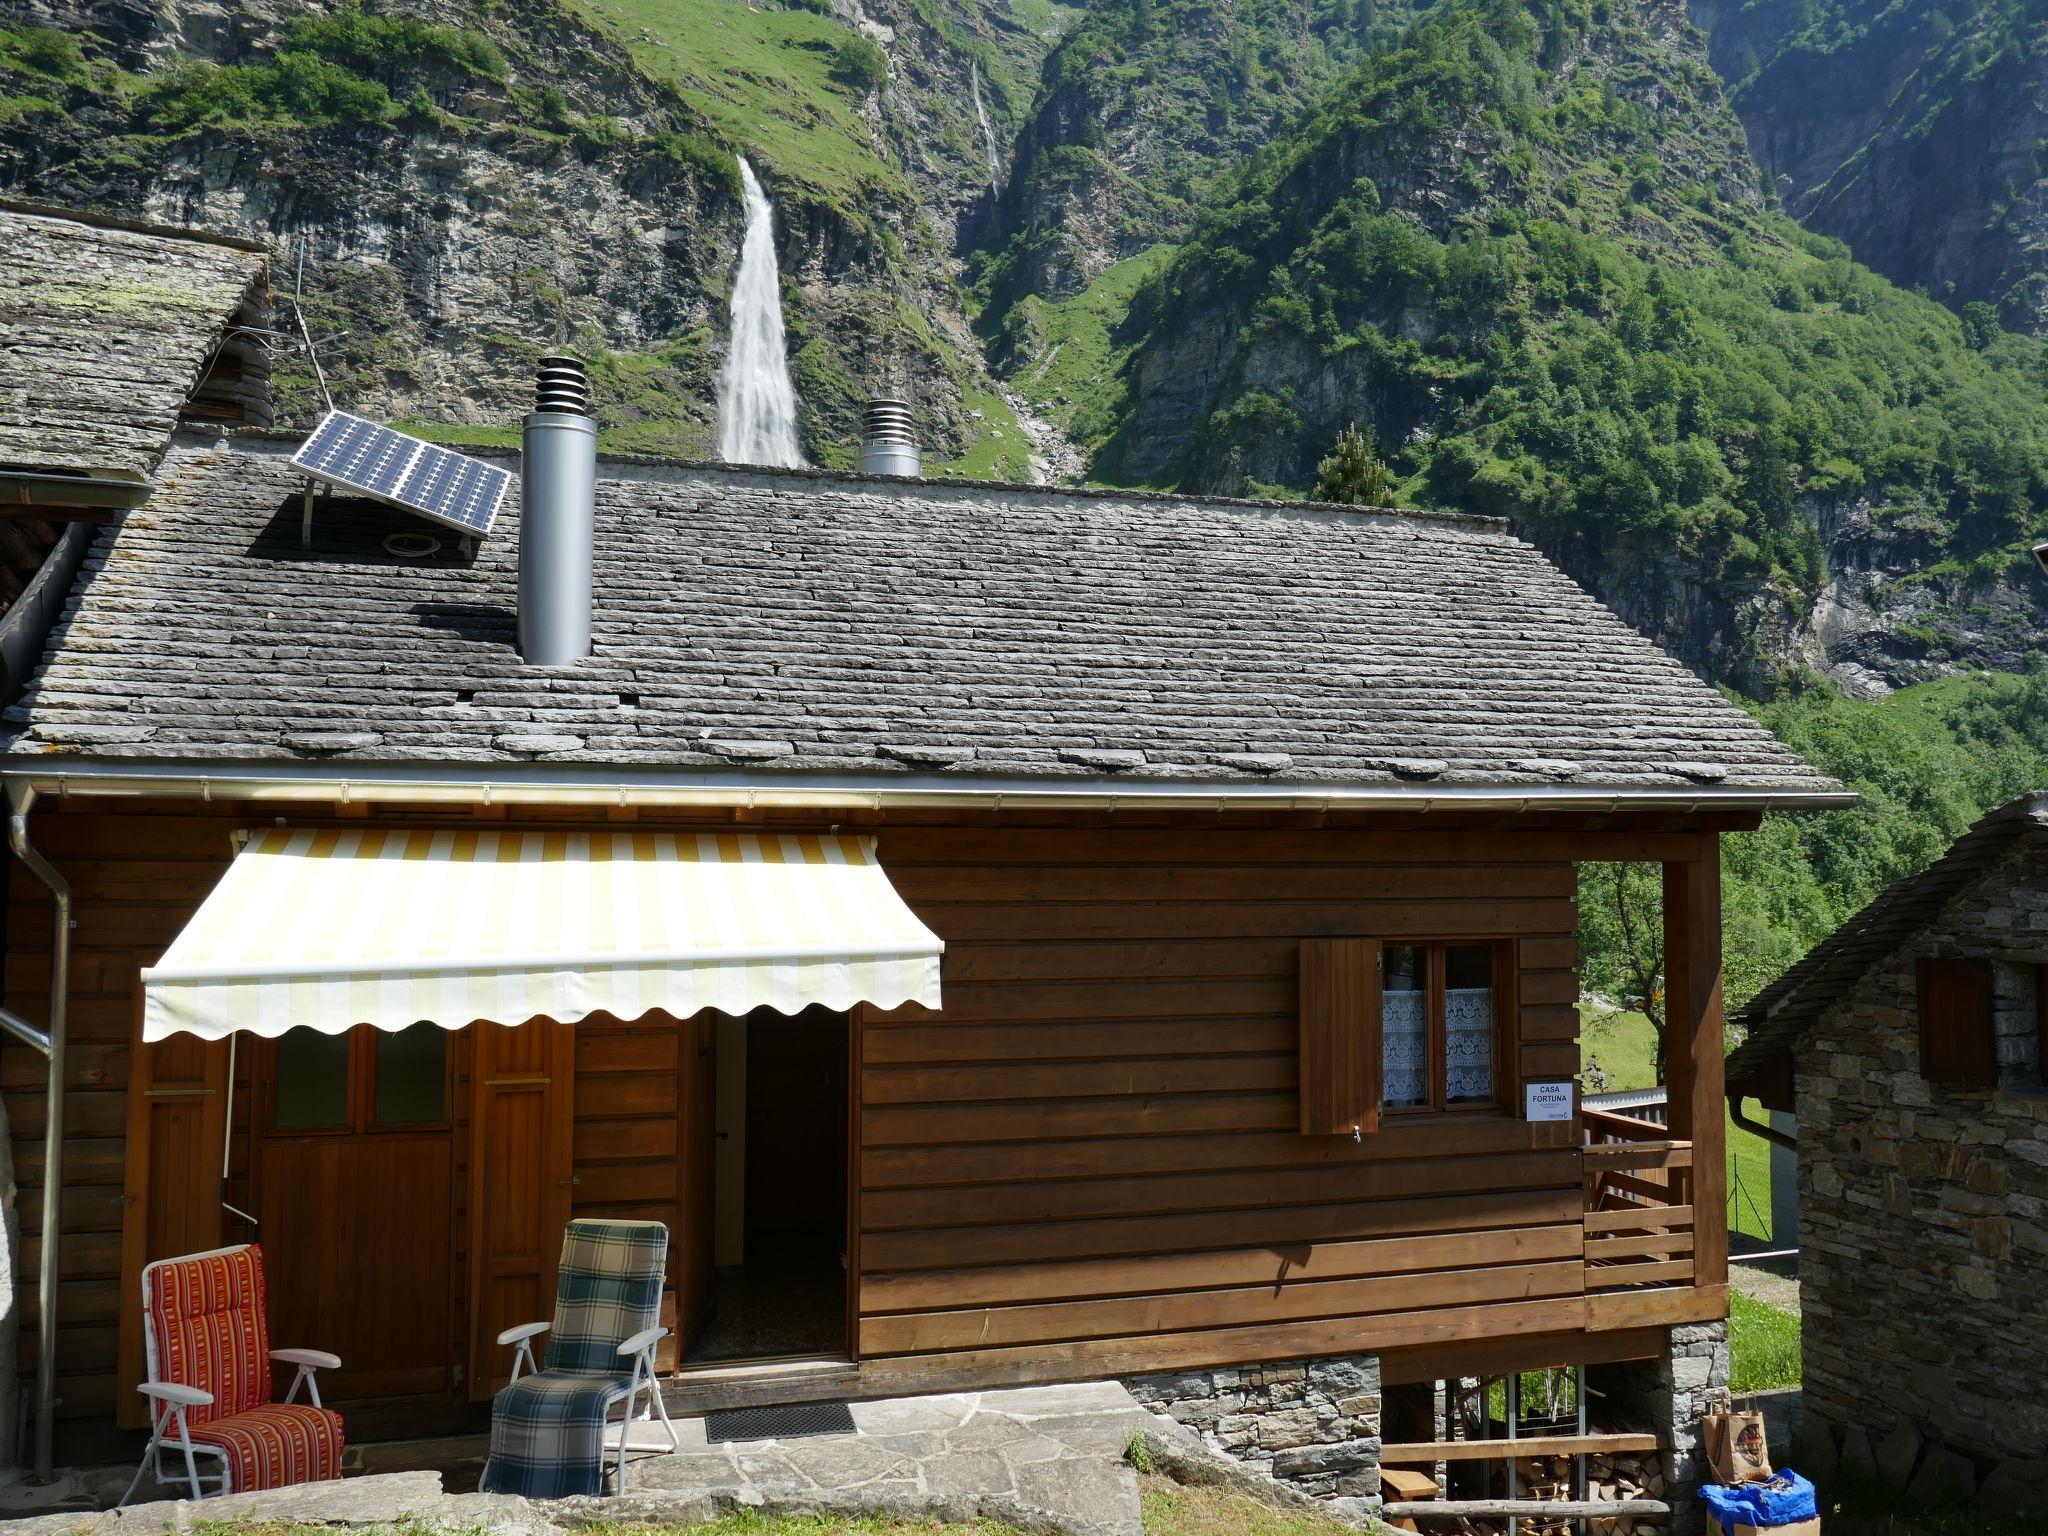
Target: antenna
305	334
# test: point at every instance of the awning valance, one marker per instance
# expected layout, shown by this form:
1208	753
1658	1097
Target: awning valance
328	929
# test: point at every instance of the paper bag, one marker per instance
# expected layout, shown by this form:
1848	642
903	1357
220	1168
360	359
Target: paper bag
1735	1447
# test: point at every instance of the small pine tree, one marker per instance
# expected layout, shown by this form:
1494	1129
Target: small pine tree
1352	475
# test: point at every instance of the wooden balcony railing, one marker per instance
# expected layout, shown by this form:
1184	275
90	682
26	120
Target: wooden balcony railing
1638	1203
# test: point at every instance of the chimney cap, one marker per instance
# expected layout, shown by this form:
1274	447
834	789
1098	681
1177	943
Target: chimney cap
562	385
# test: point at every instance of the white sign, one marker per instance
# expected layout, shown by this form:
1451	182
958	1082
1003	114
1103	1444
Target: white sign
1547	1101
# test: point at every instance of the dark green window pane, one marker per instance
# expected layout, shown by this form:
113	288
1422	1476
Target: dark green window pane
412	1076
312	1080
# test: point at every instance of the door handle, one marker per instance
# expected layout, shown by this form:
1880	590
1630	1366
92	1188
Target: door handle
565	1183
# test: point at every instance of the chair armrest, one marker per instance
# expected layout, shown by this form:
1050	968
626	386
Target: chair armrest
523	1332
308	1357
172	1392
644	1339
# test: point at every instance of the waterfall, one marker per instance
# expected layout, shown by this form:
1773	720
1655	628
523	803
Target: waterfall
756	401
988	133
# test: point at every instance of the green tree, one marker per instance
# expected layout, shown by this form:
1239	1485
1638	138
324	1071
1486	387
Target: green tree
1980	324
1353	475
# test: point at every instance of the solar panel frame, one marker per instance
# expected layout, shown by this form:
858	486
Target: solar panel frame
424	478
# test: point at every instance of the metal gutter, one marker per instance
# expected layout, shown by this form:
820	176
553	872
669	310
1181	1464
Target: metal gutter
21	798
656	785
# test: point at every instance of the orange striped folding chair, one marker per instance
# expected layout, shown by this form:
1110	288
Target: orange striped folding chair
208	1354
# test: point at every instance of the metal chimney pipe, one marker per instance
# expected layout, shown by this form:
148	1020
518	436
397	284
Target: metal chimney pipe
557	502
888	446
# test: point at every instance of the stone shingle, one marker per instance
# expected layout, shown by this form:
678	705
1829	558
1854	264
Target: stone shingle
103	334
788	622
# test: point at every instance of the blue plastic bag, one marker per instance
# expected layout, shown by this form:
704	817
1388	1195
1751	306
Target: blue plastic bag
1786	1499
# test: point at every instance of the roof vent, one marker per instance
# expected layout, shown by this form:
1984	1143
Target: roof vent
887	445
557	506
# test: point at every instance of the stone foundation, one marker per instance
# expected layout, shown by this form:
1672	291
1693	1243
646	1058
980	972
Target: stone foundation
1666	1396
1312	1424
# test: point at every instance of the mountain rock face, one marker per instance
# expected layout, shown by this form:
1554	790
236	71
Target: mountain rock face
1526	247
1912	132
473	185
1141	106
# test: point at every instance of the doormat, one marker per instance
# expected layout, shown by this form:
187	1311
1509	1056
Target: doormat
789	1422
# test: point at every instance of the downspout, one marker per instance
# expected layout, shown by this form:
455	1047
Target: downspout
1769	1133
20	798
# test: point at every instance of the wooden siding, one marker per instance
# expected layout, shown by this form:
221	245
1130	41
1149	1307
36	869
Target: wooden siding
1094	1150
1089	1162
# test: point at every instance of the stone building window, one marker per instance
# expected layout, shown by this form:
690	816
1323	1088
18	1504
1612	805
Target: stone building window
1958	1021
2019	1024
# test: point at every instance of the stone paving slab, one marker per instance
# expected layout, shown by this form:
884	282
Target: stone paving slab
1045	1459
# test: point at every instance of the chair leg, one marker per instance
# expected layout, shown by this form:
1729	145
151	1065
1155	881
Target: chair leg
675	1440
192	1465
148	1453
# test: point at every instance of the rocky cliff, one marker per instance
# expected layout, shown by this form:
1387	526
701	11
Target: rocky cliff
1528	249
472	185
1911	131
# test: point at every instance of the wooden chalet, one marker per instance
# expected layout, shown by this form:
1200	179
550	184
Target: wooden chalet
1249	833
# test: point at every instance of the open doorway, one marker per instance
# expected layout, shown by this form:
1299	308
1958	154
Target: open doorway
779	1171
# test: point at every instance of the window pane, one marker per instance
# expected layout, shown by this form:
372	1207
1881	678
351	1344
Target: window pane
312	1080
412	1075
1404	1025
1468	1023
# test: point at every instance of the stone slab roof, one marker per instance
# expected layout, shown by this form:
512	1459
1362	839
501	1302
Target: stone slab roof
104	331
789	620
1777	1017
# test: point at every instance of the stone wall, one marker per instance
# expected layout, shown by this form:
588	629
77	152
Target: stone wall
1312	1423
1924	1221
1666	1396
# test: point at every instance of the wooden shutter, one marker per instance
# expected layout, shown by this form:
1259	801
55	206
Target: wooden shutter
1955	1023
1340	1036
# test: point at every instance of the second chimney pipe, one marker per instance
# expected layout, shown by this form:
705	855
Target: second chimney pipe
557	501
888	446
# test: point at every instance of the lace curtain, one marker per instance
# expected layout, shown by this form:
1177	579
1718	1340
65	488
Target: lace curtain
1468	1041
1468	1030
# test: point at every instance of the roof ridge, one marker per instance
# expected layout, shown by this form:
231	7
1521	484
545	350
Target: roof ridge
1437	515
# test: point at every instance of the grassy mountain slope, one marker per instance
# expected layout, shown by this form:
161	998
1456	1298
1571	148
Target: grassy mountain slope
1142	106
1912	129
1528	248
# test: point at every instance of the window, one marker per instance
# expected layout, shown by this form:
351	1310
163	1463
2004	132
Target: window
1401	1028
1441	1005
1957	1036
361	1079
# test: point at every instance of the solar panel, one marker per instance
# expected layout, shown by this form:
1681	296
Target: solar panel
419	476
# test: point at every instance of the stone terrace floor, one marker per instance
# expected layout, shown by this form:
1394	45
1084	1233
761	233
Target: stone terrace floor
1042	1458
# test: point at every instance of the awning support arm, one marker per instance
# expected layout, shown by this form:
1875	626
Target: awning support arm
20	799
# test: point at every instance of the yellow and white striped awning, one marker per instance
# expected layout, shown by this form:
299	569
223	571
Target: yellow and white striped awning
328	929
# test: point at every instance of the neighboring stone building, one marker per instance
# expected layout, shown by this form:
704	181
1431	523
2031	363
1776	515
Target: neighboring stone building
1912	1040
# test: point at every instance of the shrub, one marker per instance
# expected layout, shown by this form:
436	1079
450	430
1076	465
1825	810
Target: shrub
861	65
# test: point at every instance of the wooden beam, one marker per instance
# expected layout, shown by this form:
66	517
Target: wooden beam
1549	1509
1530	1445
1694	1047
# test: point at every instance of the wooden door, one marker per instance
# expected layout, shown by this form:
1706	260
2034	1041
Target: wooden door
353	1182
522	1099
171	1200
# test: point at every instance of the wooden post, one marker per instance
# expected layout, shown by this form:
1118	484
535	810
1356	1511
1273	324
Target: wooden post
1693	1046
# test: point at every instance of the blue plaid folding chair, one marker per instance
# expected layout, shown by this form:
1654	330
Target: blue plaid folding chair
547	1426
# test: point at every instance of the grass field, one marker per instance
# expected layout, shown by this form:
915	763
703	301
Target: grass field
1763	1346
